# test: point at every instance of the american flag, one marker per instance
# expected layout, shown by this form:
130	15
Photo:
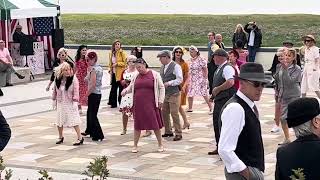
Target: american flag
8	28
43	26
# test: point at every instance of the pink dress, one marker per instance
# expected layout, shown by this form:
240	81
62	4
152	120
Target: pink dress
81	73
145	113
243	56
198	85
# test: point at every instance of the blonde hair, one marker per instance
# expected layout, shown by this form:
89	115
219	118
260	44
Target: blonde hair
294	52
239	25
62	50
281	50
131	58
58	71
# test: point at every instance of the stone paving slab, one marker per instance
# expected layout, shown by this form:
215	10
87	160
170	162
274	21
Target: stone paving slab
33	146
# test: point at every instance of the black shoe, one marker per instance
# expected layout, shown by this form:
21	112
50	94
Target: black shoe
113	107
85	134
1	93
167	135
79	142
215	152
60	140
9	84
19	76
177	138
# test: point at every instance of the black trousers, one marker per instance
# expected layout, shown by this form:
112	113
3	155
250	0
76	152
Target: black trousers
114	94
218	105
93	125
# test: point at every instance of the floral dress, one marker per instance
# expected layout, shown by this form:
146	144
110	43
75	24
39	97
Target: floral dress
81	73
127	100
198	84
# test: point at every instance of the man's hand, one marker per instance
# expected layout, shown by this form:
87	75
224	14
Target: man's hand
166	84
245	173
215	91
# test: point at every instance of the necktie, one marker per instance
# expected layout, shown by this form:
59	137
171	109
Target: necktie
255	110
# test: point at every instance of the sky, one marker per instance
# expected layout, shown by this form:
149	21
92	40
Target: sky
190	6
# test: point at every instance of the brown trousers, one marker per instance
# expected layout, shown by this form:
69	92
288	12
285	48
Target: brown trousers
171	106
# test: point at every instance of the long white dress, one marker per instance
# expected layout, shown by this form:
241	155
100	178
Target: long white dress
127	100
311	70
67	109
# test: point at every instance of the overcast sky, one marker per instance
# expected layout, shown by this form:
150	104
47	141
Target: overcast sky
191	6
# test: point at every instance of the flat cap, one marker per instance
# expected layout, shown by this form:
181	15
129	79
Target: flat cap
164	53
220	52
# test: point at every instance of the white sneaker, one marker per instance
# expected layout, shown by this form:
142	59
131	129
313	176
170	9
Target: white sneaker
275	129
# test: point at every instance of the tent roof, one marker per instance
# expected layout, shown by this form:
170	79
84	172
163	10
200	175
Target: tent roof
20	9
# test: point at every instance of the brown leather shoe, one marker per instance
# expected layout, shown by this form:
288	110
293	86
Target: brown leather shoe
177	138
215	152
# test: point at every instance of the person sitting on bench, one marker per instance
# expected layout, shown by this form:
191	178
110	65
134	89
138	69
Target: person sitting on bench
6	64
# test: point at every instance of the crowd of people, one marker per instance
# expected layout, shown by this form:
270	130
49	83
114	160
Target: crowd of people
229	82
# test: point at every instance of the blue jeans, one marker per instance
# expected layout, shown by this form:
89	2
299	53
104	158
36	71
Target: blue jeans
252	53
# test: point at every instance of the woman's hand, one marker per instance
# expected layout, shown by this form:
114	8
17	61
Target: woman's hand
124	92
160	105
114	65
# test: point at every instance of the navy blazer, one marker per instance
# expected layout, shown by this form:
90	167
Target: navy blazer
5	132
302	153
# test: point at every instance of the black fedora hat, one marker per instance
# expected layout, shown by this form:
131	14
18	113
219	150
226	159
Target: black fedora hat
302	110
253	72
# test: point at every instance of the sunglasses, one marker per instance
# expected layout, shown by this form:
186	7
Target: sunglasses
256	84
308	40
180	52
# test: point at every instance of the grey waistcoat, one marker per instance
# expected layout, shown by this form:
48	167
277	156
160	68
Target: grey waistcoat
168	76
218	79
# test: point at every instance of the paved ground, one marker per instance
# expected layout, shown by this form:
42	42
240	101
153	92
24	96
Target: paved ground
28	109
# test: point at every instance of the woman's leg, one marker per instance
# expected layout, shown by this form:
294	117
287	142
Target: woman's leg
285	129
60	130
206	98
77	129
159	137
124	123
190	103
136	135
113	92
97	133
186	124
91	104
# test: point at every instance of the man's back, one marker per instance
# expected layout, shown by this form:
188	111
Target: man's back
302	153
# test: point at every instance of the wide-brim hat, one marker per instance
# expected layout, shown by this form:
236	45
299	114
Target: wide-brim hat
309	36
302	110
253	72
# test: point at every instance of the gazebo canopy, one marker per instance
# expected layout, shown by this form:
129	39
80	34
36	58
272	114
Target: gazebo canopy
20	9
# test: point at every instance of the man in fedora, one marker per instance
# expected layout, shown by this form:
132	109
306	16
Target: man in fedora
304	118
223	89
172	77
241	146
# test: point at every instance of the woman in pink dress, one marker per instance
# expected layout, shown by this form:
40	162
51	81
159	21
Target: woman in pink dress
148	95
198	78
81	73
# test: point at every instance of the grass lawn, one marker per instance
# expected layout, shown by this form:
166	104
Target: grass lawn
183	29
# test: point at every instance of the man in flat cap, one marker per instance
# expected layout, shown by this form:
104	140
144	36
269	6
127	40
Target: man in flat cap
18	34
223	89
303	153
172	77
241	146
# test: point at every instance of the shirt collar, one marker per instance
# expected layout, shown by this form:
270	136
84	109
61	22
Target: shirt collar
222	64
245	98
168	64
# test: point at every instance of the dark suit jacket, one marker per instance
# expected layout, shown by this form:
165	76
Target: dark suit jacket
5	132
257	35
302	153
